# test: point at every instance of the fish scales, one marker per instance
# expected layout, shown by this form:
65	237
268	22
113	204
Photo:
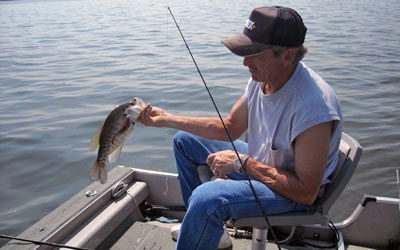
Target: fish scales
109	139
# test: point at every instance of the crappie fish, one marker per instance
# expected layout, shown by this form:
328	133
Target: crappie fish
111	136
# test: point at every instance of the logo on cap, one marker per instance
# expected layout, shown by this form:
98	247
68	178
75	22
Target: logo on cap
250	24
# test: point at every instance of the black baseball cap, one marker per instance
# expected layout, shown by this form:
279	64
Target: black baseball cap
265	27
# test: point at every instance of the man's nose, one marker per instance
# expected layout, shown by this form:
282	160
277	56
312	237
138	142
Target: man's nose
246	61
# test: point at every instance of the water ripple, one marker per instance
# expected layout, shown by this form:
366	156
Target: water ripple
65	64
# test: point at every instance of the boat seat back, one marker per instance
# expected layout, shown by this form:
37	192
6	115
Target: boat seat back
344	150
349	154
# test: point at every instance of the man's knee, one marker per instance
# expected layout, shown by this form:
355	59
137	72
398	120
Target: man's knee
185	142
181	138
206	198
180	135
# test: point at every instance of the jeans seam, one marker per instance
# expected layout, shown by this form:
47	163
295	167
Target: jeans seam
202	232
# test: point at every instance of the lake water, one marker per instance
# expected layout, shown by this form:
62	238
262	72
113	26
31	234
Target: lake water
65	64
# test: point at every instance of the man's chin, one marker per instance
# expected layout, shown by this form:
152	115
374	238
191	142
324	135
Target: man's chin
254	75
255	78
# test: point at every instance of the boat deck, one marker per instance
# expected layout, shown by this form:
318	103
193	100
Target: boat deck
156	235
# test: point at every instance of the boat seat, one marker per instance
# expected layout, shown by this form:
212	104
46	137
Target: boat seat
349	154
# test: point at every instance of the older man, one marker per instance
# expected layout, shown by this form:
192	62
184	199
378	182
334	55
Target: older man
294	125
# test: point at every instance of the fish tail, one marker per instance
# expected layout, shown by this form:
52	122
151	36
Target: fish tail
99	172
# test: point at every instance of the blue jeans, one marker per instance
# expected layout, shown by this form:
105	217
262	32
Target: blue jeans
210	204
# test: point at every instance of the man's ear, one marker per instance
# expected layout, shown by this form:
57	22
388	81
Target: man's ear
288	56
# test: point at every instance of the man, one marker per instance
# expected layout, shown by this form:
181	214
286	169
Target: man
294	125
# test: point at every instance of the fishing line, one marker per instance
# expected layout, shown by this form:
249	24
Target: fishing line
228	134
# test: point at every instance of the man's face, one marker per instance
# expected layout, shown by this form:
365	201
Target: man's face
263	67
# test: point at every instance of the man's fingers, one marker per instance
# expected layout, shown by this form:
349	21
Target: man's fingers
144	115
210	160
148	110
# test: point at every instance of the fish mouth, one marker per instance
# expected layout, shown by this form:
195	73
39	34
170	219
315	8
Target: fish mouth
132	112
137	101
133	101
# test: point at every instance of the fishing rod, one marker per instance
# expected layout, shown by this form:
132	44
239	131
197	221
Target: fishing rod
228	134
42	242
398	184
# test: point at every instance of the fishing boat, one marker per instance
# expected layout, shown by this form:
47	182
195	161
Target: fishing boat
137	208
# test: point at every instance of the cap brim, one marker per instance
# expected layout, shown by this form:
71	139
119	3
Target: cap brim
242	45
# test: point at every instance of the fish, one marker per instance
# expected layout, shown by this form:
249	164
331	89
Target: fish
110	138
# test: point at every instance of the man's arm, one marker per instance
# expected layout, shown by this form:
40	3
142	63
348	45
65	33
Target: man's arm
207	127
311	158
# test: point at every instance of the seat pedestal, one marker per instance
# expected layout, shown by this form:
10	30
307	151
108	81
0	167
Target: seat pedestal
259	239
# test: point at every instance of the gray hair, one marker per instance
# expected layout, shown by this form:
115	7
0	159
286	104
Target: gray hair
300	51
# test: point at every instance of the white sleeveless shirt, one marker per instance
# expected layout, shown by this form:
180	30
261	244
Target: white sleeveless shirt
276	120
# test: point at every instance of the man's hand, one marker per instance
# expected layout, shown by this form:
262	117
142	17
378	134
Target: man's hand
222	163
153	116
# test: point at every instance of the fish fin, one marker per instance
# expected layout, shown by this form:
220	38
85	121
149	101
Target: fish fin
99	172
95	142
114	156
130	132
